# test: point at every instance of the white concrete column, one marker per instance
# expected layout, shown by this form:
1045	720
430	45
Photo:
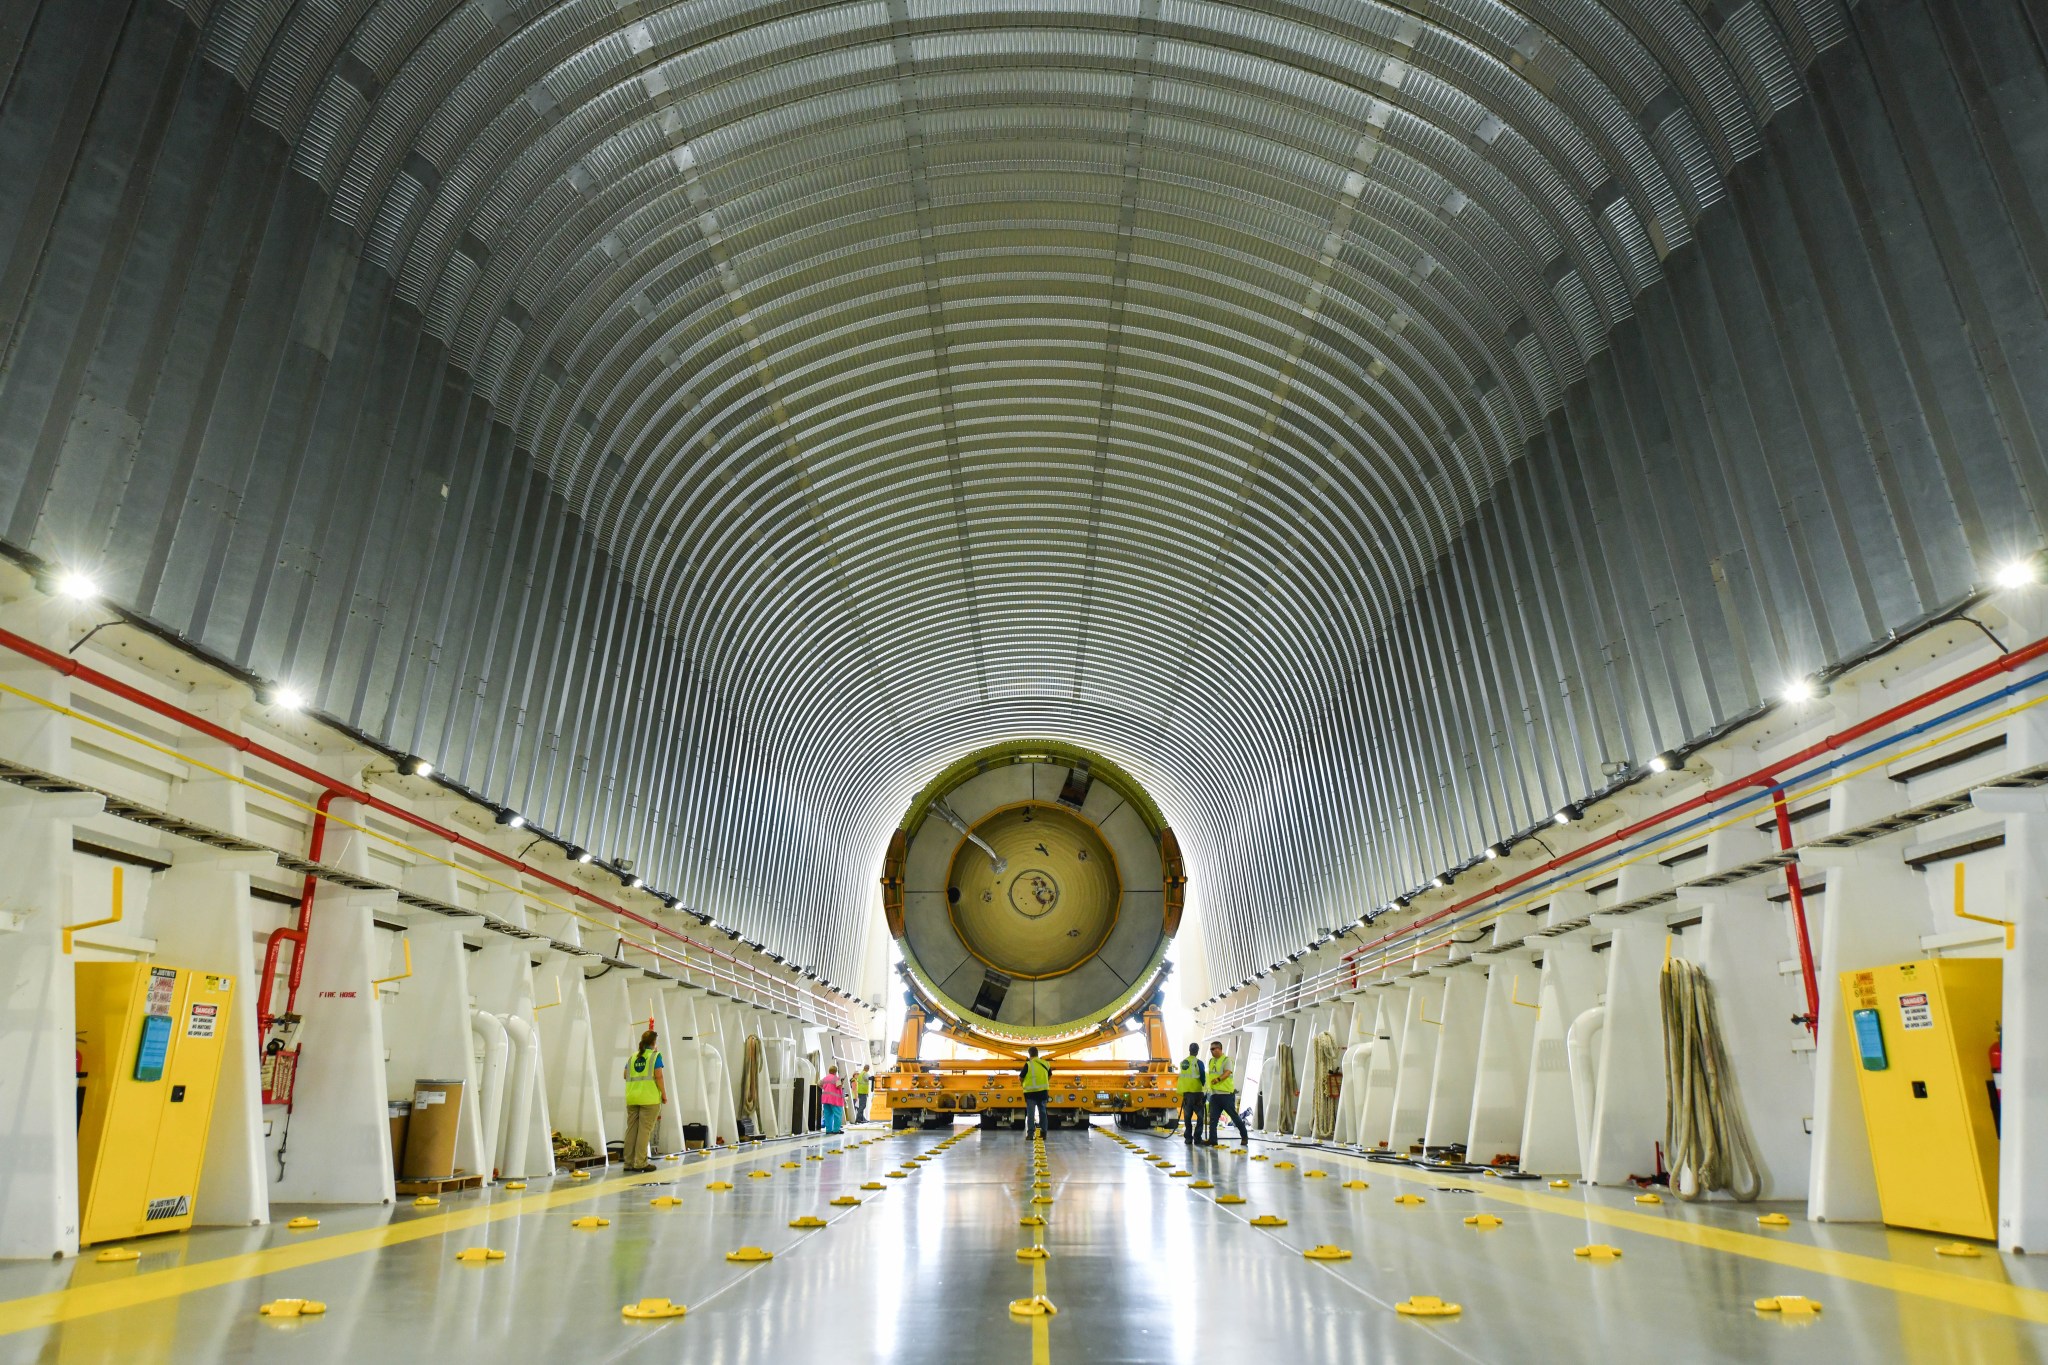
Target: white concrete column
1500	1089
1888	920
1457	1056
1629	1120
429	1031
203	919
1742	940
1420	1034
337	1135
1391	1010
39	1211
2023	1128
568	1055
1571	985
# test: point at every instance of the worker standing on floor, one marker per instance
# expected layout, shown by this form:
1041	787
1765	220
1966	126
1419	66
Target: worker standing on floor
1189	1083
1037	1076
832	1100
863	1086
646	1092
1222	1087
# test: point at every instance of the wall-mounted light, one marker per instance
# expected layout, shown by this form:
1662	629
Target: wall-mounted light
636	883
1568	813
416	767
78	586
1799	690
287	698
2019	573
582	856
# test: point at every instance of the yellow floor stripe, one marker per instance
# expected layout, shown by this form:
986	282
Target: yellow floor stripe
1963	1291
65	1305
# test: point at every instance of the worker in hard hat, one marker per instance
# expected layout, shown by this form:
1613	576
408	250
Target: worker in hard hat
1221	1083
863	1086
1037	1077
1193	1101
646	1092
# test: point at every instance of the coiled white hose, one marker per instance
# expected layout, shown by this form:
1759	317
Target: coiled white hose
1705	1133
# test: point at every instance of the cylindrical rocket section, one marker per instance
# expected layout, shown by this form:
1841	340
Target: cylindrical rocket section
1033	890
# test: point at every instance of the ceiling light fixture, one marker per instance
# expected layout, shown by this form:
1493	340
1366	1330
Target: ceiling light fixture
79	587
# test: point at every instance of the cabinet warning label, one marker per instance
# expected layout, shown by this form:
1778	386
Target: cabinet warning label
1915	1012
202	1021
163	983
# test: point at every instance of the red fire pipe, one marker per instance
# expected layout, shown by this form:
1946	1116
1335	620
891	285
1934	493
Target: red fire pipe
1806	973
1762	777
294	936
333	788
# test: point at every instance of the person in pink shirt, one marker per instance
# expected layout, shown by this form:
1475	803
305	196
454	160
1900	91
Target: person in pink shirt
832	1099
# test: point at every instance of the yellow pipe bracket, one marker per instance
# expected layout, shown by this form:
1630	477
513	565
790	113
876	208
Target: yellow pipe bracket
405	942
1515	997
114	918
1961	913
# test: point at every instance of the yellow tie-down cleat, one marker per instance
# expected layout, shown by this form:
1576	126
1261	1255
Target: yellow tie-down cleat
648	1309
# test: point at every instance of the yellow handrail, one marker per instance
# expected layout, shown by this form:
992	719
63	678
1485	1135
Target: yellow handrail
558	997
2004	924
114	918
1422	1011
1515	997
405	942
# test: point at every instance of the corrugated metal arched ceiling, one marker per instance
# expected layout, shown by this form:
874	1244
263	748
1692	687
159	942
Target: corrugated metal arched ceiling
946	372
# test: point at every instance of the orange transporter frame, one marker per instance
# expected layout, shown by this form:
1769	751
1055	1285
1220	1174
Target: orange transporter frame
933	1094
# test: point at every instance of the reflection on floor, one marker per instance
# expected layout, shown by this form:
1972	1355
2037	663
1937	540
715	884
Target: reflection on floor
1144	1263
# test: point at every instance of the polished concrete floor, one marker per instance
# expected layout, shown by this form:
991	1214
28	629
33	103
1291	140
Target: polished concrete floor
1141	1266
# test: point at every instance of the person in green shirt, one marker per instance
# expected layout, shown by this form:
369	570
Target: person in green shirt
1222	1086
646	1092
863	1086
1189	1084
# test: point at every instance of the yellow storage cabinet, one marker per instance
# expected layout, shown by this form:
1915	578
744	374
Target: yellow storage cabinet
1923	1033
151	1038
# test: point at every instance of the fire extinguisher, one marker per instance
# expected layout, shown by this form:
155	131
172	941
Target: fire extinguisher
1997	1087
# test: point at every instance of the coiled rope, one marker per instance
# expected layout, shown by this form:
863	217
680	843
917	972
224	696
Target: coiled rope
1290	1092
750	1084
1705	1133
1329	1057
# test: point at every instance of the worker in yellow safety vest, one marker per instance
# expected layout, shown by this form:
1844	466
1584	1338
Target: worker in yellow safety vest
646	1092
1189	1083
863	1086
1222	1086
1037	1076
